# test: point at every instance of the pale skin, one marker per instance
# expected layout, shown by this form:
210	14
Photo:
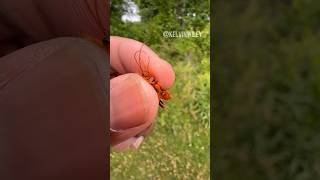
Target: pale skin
127	110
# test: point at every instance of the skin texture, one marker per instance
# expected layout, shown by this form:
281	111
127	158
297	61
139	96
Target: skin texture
53	94
132	92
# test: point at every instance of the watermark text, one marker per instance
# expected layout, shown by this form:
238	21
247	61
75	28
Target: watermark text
182	34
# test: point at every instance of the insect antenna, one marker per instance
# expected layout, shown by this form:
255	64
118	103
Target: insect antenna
137	60
148	64
141	63
145	71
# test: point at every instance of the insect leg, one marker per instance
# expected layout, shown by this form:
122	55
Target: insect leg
161	104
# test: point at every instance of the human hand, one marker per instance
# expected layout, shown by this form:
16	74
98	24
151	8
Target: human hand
133	101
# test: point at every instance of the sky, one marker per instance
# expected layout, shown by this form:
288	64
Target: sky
133	14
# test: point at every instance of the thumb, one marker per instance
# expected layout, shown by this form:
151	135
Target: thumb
133	106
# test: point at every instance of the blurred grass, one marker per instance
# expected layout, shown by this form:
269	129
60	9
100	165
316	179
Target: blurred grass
178	147
267	90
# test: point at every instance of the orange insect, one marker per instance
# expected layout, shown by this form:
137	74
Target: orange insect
145	73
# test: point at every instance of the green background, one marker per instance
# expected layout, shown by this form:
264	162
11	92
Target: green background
179	145
267	90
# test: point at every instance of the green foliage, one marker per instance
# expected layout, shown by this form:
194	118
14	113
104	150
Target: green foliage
158	17
267	90
178	147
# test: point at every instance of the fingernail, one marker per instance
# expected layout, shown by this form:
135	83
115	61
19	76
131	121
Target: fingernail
123	145
137	142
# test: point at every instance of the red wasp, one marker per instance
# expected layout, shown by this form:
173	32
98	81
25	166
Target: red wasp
145	73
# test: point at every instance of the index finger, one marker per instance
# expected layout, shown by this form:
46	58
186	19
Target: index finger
122	59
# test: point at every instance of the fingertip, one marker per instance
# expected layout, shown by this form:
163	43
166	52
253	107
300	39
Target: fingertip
133	101
164	74
122	59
